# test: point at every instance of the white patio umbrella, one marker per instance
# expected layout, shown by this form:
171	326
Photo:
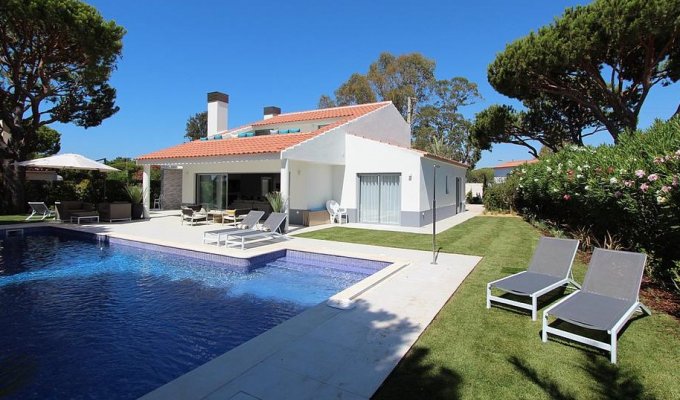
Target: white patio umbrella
67	161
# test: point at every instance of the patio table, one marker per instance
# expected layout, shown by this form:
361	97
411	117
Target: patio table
91	216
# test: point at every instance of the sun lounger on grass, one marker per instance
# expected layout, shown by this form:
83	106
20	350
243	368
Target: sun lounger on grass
249	222
39	209
609	297
269	229
549	269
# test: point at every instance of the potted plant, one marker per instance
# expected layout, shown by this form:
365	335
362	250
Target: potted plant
136	195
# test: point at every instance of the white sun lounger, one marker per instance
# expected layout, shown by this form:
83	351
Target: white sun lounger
40	209
269	229
549	269
248	222
609	297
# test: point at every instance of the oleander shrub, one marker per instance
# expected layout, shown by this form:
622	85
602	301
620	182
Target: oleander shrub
623	196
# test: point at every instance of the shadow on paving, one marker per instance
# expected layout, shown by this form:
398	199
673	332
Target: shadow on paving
430	381
610	381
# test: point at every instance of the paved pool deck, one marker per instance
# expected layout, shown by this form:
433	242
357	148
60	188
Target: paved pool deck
324	352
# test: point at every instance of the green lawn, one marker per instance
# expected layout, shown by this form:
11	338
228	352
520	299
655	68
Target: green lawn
19	219
473	353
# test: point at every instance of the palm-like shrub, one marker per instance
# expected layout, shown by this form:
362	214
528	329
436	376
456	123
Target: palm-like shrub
276	200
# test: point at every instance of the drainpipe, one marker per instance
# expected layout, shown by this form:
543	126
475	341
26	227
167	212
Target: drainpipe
285	189
146	189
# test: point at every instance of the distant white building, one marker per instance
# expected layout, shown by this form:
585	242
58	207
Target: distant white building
359	155
500	172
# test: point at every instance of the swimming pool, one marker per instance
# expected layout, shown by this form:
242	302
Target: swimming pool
85	320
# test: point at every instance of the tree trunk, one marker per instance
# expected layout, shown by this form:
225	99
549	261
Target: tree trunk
12	198
677	112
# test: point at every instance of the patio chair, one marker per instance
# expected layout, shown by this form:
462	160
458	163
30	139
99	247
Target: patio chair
248	222
549	269
40	209
335	211
192	216
269	229
609	297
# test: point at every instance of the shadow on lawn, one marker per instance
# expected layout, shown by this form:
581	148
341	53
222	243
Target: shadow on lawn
420	380
610	381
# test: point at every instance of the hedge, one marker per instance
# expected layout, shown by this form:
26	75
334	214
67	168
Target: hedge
619	196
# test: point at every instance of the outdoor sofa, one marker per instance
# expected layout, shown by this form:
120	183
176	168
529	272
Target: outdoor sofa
116	211
66	209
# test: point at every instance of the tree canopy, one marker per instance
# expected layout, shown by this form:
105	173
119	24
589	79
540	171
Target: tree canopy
56	58
438	125
48	143
604	58
197	126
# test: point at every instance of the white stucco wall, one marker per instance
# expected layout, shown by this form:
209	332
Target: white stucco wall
327	148
365	156
477	189
385	125
444	172
311	185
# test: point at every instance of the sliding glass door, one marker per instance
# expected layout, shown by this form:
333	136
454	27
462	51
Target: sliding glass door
211	191
380	198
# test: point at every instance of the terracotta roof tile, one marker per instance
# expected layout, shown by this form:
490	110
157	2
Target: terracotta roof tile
230	146
325	113
516	163
267	143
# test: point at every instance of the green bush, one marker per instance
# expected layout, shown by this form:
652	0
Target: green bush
624	196
501	197
470	199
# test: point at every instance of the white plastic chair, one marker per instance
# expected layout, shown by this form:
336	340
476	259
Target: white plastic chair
336	212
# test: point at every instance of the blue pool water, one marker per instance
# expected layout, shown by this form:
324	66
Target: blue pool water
82	321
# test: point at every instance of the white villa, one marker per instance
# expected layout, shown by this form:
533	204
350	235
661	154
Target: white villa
360	156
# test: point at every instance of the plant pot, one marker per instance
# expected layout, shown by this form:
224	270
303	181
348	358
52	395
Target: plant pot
137	211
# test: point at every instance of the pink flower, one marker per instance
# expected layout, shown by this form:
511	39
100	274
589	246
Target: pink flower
628	183
640	173
566	197
658	160
644	187
618	194
653	177
677	153
665	189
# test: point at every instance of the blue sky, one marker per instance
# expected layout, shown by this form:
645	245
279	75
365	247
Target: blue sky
288	53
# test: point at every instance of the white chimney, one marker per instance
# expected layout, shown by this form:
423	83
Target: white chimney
218	112
271	111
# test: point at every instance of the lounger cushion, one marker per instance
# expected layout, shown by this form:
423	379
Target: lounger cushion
526	283
592	311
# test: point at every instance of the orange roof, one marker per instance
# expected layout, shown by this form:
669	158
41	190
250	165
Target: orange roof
516	163
230	146
268	143
325	113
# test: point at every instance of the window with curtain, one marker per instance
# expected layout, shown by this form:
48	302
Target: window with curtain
380	198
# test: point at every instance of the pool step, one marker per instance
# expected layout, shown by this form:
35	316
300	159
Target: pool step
307	266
